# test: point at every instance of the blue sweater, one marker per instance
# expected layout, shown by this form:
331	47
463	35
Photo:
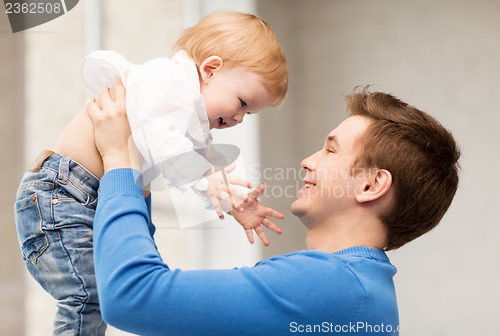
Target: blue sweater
346	292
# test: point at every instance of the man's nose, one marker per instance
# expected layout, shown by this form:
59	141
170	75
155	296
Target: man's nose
308	163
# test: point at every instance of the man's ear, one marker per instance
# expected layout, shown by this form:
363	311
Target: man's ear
209	67
376	185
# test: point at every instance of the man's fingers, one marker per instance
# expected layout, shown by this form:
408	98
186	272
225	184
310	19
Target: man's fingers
97	104
92	109
119	89
104	99
112	93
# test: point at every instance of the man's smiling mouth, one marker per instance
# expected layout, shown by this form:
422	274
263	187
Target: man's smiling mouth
309	184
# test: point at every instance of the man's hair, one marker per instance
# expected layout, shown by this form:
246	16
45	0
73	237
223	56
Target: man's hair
240	40
421	155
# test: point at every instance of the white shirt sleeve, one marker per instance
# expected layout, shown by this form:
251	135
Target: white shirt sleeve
101	67
161	103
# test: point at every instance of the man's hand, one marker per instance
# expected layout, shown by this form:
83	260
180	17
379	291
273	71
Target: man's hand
255	215
111	128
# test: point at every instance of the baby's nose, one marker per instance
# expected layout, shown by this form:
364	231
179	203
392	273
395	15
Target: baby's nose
238	117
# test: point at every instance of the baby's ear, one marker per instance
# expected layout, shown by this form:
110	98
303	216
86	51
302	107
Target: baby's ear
209	67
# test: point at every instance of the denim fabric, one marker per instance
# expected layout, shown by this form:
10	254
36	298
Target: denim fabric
55	209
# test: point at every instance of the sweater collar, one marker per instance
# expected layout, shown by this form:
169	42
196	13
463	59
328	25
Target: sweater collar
363	251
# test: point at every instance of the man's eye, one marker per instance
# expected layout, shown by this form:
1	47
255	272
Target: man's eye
242	103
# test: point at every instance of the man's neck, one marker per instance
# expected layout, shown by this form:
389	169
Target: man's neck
341	233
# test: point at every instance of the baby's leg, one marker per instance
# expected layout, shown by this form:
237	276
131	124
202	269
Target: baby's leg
54	218
66	271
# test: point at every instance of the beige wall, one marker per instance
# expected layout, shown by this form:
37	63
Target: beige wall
11	139
443	57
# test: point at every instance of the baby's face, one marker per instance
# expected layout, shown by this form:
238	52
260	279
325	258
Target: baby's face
231	93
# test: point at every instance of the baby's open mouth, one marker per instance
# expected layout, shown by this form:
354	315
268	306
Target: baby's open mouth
221	121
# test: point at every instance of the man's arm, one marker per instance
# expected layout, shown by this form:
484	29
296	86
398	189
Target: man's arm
139	293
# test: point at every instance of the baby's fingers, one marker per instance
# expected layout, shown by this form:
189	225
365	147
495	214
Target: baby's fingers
217	207
230	168
273	213
250	236
258	191
262	235
238	197
271	226
237	180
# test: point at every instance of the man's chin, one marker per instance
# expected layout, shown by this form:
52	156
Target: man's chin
297	209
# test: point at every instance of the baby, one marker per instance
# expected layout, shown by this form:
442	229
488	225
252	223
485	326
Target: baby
226	66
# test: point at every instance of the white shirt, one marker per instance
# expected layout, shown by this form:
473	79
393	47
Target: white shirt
165	108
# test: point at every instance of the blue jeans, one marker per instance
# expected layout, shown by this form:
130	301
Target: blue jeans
55	209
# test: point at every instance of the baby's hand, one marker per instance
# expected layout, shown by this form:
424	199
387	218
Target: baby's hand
223	193
255	214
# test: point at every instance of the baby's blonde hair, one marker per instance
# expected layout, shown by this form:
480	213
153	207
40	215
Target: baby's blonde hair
240	40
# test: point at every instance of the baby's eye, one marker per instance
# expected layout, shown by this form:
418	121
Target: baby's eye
242	103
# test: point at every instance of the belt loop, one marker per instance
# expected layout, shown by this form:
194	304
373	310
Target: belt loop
92	202
64	170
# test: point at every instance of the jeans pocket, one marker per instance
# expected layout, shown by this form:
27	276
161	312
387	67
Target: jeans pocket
32	239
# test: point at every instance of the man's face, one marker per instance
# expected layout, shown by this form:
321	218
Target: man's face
329	184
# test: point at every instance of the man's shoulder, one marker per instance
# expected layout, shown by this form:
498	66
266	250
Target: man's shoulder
340	285
308	263
347	256
362	266
323	284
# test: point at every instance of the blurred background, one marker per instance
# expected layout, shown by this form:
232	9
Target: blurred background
440	56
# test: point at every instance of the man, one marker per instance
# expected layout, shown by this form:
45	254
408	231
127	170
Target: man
399	165
384	176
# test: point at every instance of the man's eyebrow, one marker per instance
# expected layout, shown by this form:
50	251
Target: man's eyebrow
333	139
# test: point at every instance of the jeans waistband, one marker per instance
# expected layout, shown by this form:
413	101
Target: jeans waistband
71	175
